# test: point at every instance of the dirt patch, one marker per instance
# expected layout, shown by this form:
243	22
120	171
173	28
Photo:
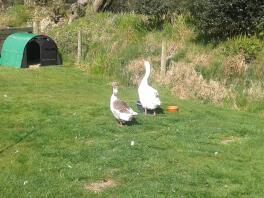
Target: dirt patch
100	185
229	140
89	142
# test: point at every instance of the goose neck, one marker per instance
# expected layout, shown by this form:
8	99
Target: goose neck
146	76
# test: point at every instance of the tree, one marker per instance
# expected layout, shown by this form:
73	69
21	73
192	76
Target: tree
223	18
157	10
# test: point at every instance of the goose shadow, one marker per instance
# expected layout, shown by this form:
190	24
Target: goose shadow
158	110
133	122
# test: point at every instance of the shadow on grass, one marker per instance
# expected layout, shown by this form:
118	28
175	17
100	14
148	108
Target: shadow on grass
132	122
158	110
17	142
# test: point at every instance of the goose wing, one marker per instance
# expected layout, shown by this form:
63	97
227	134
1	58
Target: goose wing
121	106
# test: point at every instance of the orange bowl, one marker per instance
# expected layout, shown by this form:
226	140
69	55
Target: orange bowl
172	108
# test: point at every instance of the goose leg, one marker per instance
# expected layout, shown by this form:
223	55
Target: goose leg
154	114
145	111
120	123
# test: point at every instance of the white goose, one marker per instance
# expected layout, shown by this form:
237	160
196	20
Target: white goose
120	109
148	96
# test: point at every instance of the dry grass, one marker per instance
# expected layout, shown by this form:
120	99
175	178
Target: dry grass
181	31
136	70
4	21
100	186
184	81
229	140
88	142
255	92
234	66
201	58
37	66
187	83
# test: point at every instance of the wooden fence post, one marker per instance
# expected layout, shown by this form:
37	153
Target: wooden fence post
36	27
79	52
163	59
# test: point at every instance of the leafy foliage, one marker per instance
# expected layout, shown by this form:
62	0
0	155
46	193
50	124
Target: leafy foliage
15	16
223	18
158	10
250	47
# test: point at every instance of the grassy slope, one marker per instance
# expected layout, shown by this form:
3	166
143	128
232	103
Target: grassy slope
15	16
111	41
57	133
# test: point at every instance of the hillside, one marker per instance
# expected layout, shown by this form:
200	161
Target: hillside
227	72
115	45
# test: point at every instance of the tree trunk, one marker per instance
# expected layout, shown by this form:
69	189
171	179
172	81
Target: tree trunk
36	27
2	5
79	50
97	5
101	5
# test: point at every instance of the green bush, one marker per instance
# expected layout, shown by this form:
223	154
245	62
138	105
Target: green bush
109	42
157	10
223	18
15	16
249	46
121	6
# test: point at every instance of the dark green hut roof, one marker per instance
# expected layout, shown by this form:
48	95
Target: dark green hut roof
20	50
13	49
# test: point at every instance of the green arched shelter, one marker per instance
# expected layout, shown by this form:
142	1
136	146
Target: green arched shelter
20	50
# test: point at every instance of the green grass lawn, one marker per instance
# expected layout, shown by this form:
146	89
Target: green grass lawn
57	135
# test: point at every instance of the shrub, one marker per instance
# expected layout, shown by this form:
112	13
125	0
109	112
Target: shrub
121	5
14	16
186	83
249	46
157	10
234	66
223	18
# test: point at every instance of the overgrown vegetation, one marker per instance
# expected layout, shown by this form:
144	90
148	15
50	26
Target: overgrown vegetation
115	43
112	44
15	16
158	11
109	42
223	18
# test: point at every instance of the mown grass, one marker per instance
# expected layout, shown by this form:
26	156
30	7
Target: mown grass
57	134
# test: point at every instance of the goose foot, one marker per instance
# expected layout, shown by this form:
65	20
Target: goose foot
120	123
